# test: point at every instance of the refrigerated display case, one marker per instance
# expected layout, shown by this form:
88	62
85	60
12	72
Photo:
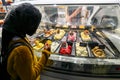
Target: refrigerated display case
87	47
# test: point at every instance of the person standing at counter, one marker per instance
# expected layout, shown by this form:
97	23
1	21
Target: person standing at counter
21	63
78	15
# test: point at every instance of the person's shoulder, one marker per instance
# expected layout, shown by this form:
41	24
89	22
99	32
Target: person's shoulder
22	53
21	49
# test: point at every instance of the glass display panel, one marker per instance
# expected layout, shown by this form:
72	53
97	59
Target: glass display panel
84	38
79	30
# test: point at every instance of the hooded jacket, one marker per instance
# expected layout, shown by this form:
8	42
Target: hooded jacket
22	64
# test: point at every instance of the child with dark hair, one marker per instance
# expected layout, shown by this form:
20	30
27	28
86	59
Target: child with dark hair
21	64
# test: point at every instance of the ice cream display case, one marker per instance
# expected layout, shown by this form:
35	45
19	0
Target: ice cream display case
84	38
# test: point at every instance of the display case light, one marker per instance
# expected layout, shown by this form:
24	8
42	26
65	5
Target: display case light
55	5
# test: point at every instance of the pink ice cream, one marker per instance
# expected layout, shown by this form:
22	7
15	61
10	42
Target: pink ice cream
71	36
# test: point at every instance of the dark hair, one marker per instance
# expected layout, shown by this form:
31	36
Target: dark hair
23	19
